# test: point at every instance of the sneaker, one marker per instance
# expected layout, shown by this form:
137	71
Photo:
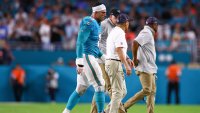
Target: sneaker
66	111
122	109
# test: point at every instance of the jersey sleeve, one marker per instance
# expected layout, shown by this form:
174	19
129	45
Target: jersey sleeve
83	34
104	30
143	38
119	42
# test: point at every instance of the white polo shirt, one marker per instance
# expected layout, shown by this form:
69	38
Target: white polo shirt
115	39
146	53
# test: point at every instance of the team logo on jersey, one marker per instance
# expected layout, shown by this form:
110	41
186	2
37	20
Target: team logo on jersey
88	23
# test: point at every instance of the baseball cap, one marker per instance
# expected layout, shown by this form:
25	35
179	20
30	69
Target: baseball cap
115	12
151	20
122	18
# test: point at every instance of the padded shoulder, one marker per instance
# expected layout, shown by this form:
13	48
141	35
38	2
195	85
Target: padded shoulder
88	21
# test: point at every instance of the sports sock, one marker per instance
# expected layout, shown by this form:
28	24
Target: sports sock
100	100
73	100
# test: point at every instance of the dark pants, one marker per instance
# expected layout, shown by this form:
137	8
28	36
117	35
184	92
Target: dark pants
173	86
52	93
18	91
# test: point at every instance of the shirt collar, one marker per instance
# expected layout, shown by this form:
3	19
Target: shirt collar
147	27
111	22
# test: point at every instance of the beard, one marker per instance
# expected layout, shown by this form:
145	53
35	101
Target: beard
98	20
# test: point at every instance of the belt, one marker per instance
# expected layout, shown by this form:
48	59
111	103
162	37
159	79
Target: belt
114	59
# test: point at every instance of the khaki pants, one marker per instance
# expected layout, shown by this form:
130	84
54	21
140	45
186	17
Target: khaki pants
108	90
118	86
148	89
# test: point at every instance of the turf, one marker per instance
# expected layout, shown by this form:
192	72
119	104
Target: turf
85	108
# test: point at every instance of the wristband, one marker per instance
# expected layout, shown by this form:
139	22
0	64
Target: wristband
79	61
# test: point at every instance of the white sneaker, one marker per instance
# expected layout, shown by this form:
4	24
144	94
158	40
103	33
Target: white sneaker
66	111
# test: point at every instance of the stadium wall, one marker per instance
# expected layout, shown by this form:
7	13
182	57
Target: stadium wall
35	85
48	57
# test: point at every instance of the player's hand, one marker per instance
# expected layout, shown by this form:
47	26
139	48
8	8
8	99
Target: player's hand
130	62
79	69
136	62
128	70
103	58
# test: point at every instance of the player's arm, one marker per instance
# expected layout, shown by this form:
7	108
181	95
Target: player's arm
122	57
140	40
103	34
130	62
104	29
82	37
134	51
119	45
101	56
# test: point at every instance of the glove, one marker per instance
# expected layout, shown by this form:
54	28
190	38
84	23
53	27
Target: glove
79	65
102	59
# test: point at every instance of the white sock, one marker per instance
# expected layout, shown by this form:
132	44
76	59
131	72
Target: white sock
66	111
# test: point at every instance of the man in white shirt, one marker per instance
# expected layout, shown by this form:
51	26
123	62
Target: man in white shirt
116	49
144	57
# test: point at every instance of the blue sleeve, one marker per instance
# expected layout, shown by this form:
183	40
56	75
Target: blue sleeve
83	35
100	52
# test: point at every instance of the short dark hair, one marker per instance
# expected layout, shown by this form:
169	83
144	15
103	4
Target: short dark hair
97	4
115	12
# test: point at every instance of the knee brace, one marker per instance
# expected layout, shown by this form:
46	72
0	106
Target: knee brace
99	88
80	89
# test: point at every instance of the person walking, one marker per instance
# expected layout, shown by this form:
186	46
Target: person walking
144	57
107	25
88	69
116	49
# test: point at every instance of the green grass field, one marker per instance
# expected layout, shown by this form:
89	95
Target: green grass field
85	108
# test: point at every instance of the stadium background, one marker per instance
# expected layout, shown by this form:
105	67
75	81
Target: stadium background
178	39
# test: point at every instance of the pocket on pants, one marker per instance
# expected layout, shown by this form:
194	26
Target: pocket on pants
107	69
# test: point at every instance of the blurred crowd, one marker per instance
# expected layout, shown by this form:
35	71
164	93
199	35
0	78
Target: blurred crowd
54	24
39	23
